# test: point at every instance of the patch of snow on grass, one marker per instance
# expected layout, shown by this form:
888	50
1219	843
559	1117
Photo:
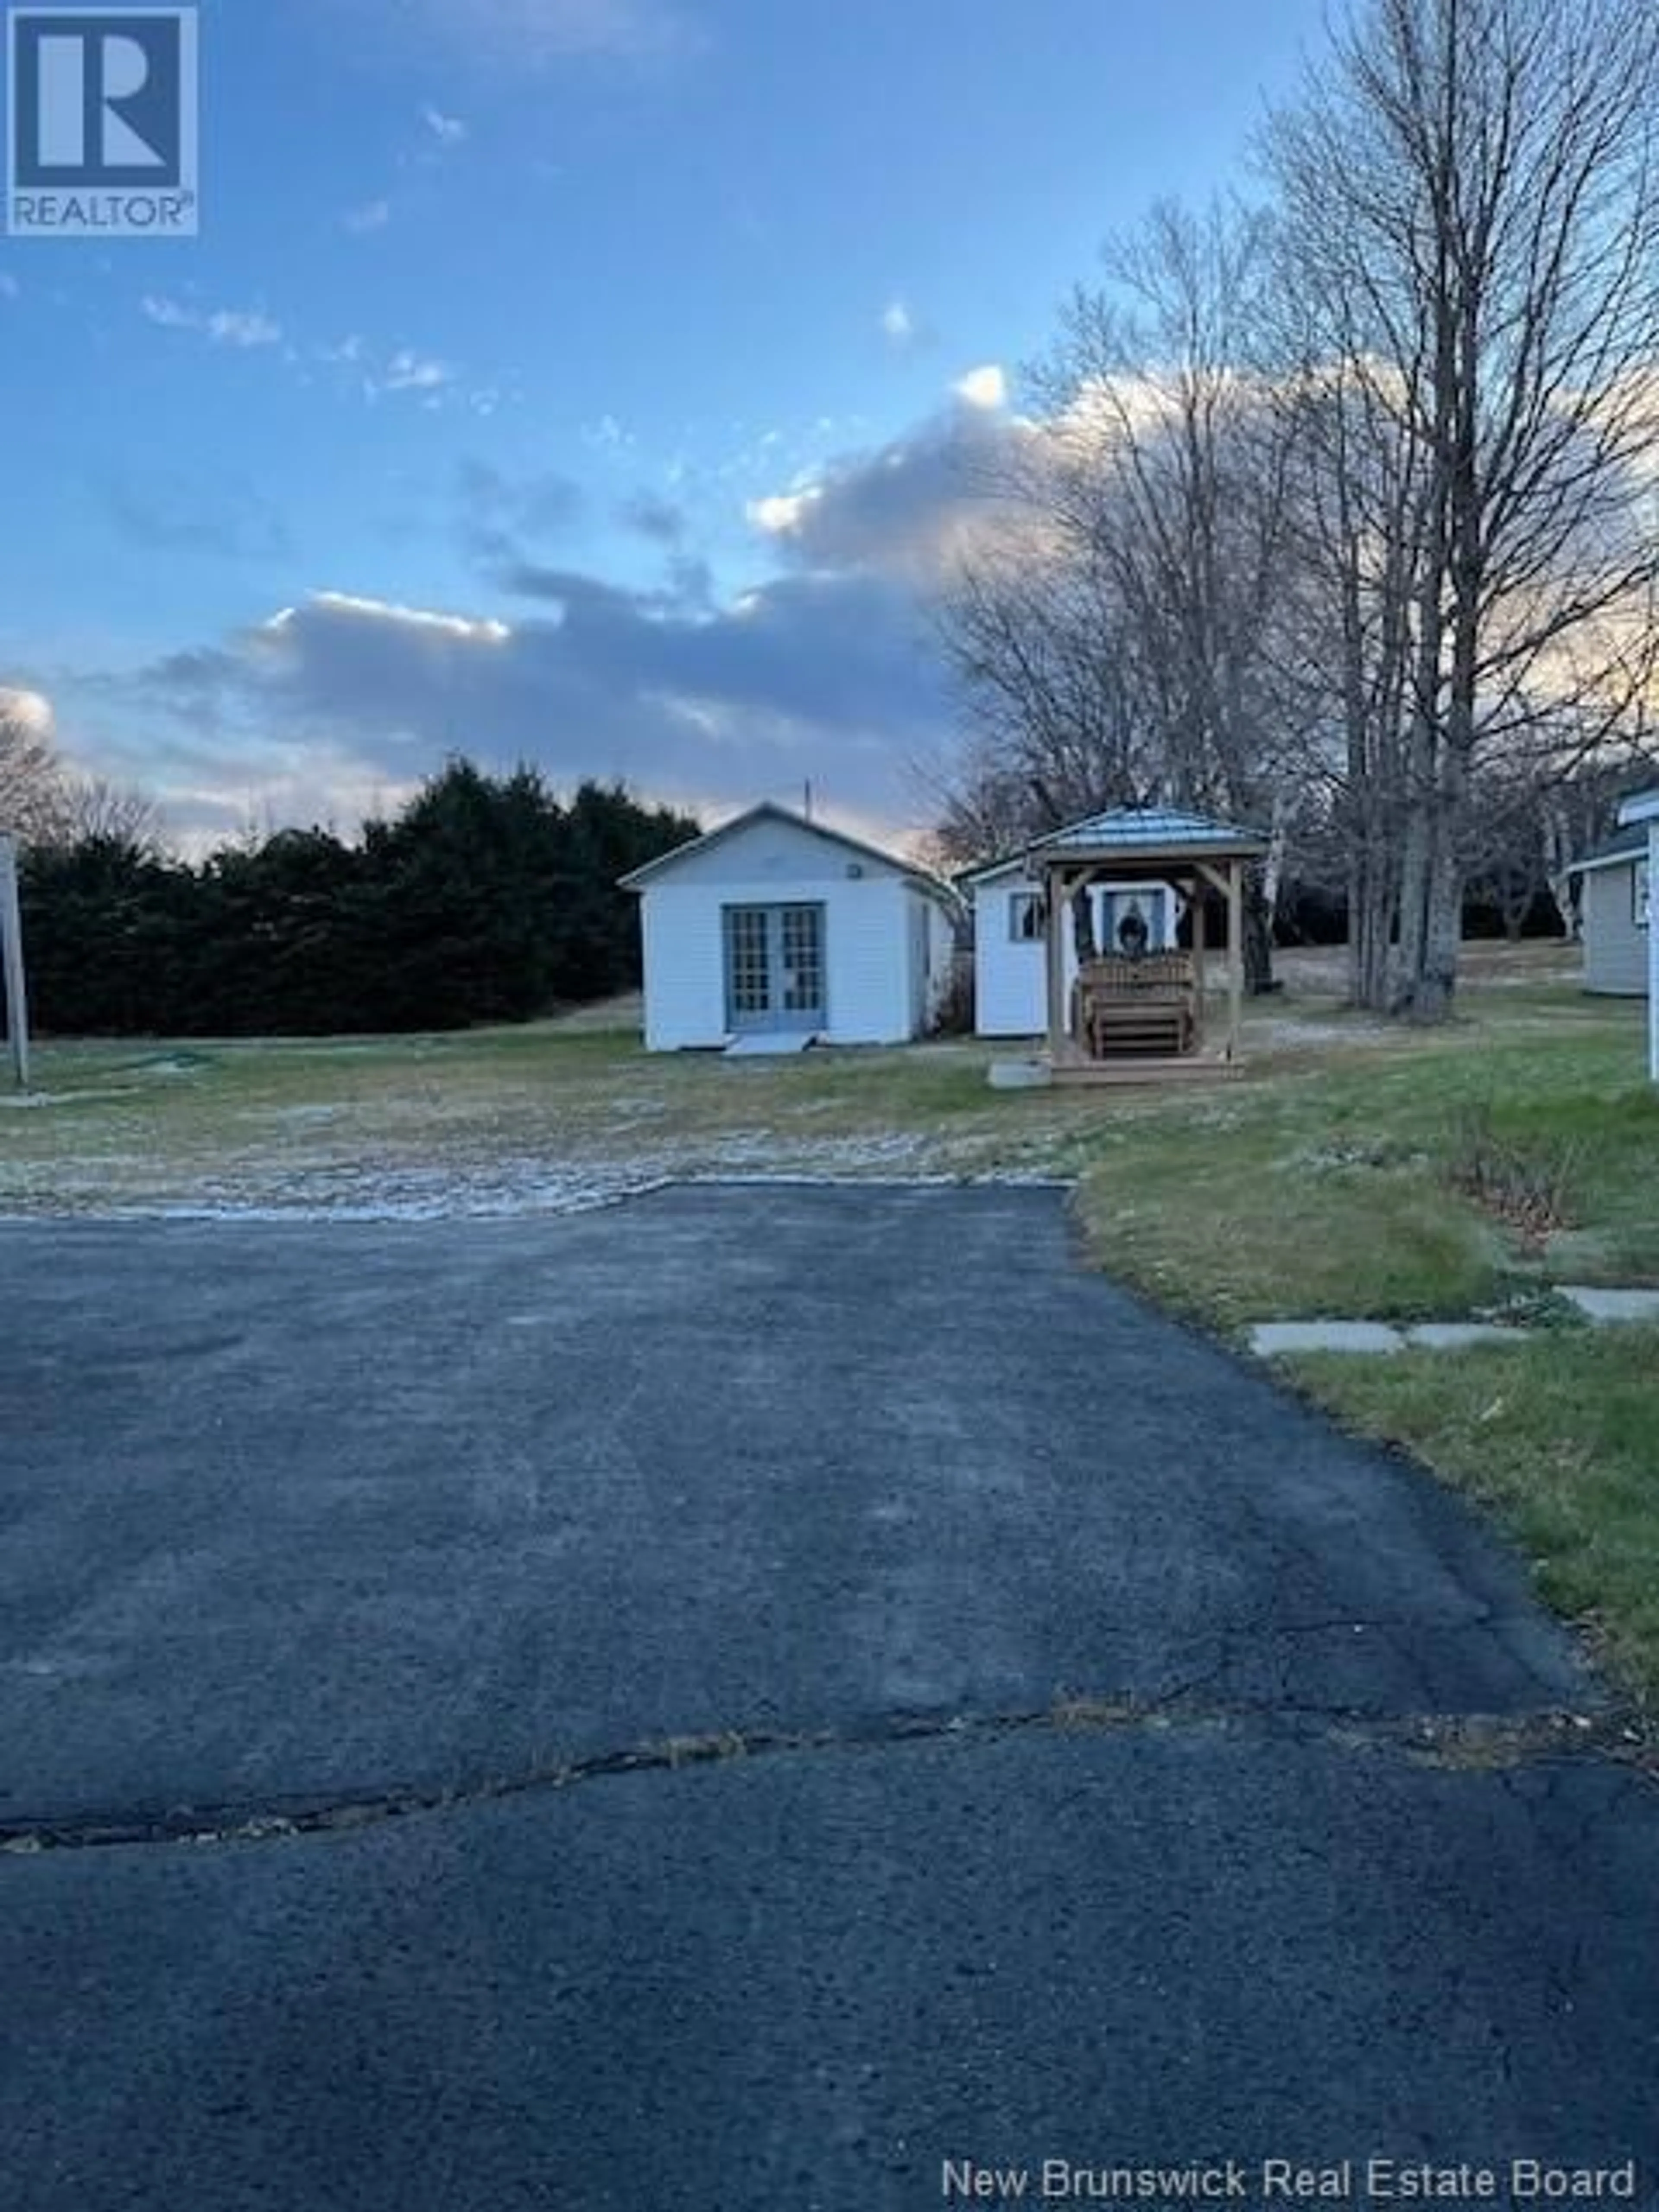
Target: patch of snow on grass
488	1189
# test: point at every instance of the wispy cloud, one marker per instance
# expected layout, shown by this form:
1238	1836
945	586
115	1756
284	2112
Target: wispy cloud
369	371
539	33
659	519
448	130
245	328
499	518
608	436
902	327
352	352
986	387
412	371
363	221
178	514
434	383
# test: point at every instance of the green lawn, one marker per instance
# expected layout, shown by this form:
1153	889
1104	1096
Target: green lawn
1328	1190
1559	1440
1333	1191
1333	1179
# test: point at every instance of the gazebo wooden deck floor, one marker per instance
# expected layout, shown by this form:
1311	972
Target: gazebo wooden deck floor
1127	1068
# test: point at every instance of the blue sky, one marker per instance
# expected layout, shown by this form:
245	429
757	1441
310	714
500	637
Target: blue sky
480	414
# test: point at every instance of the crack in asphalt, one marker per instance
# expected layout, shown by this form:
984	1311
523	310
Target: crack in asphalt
1456	1742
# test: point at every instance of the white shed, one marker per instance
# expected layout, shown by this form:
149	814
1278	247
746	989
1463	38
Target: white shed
773	932
1643	809
1612	914
1011	974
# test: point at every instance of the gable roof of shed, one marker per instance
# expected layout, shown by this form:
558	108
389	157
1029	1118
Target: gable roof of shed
769	809
1622	849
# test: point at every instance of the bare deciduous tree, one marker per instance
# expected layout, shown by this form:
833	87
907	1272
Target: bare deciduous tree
1121	653
91	808
32	779
1472	222
1035	647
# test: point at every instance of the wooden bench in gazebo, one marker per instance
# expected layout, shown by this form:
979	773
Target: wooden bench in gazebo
1130	1005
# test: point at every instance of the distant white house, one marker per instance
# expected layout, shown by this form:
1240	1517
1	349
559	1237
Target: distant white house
1011	932
773	932
1643	810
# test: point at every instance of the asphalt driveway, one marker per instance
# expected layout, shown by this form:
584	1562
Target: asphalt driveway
744	1699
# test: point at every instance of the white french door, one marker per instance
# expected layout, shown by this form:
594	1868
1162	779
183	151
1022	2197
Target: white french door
775	967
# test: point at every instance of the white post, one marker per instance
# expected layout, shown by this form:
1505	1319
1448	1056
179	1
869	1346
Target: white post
11	956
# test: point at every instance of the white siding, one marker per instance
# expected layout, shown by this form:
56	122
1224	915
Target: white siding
866	928
868	959
1010	984
1616	950
684	966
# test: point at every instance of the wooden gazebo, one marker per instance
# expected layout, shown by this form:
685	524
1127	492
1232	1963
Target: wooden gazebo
1133	1013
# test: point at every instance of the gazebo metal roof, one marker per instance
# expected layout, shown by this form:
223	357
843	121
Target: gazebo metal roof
1149	830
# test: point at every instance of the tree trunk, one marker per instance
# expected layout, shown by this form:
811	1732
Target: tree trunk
1258	979
1433	999
1431	912
1370	926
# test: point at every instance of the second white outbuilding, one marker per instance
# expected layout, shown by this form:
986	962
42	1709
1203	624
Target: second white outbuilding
1010	940
773	933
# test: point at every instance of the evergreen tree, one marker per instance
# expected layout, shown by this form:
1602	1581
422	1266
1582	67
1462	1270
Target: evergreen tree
485	900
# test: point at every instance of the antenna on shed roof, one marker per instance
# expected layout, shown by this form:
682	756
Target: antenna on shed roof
807	798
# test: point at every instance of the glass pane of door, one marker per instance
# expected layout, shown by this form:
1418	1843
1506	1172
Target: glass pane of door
748	965
802	959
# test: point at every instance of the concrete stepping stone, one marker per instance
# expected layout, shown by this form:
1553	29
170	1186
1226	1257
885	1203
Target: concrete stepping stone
1598	1305
1020	1075
1456	1335
1269	1339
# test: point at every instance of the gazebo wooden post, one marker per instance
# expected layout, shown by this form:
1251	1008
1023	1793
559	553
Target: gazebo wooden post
1234	957
1200	890
1053	885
